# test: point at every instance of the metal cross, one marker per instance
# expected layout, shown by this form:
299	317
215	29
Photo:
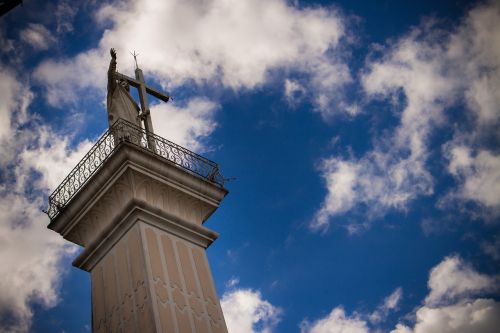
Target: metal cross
143	89
135	54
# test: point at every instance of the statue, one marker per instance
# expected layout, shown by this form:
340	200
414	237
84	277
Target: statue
120	103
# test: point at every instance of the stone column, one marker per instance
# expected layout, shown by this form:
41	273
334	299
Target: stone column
140	220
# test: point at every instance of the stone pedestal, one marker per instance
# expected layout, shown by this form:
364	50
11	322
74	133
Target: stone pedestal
140	220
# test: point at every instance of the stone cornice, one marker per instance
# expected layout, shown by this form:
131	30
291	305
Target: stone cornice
118	183
136	212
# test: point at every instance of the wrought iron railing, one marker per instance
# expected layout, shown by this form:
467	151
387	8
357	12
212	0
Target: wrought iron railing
123	131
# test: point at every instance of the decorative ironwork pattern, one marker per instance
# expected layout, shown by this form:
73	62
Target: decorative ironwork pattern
123	131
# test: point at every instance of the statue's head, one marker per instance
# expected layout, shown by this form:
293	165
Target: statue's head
124	84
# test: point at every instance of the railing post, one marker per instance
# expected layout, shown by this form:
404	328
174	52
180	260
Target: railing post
213	173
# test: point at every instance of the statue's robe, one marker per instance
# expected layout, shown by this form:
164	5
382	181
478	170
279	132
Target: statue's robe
120	103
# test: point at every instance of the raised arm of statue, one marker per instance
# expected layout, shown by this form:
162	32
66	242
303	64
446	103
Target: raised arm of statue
111	72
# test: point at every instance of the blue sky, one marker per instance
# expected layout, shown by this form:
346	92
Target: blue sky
363	139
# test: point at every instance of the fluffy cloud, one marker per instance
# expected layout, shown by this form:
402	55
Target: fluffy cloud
341	177
472	161
236	44
65	13
423	74
454	279
14	100
232	282
455	304
245	311
64	81
479	315
37	36
187	125
9	88
477	173
477	45
336	322
452	305
30	259
50	156
389	304
294	91
30	253
394	172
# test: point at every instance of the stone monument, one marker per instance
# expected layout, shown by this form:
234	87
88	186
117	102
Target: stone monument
136	203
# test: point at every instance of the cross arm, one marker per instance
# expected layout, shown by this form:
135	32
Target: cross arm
157	94
135	83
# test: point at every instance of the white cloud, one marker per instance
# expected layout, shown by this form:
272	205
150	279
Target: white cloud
233	282
242	41
14	99
378	180
245	311
389	304
454	279
483	97
393	173
37	36
453	305
188	125
65	13
236	44
423	74
480	315
475	51
51	156
30	256
336	322
476	45
328	80
294	91
340	177
9	90
64	81
33	160
478	174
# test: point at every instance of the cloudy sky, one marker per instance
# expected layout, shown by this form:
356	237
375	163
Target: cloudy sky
363	139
